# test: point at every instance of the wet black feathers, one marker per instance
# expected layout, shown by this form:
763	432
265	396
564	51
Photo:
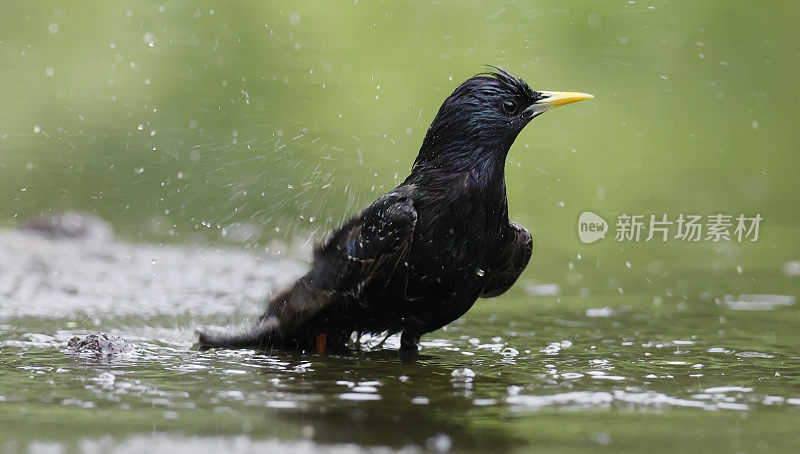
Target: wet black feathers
419	256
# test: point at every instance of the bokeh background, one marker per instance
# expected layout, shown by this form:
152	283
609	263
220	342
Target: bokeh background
261	125
248	122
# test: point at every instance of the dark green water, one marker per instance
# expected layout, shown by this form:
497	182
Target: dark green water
220	140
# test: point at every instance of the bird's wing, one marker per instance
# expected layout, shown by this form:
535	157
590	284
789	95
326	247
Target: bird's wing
373	242
512	260
370	243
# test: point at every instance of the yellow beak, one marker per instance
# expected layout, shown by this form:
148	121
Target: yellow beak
559	98
553	99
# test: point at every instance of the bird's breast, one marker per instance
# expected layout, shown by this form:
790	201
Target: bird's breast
453	241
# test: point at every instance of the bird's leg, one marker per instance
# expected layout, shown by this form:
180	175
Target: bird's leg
322	340
409	341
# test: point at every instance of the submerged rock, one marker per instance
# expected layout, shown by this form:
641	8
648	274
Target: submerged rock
99	343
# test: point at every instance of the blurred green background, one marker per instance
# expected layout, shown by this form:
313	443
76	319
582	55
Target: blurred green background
259	126
248	122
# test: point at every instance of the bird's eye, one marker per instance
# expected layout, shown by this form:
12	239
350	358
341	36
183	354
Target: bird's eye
510	107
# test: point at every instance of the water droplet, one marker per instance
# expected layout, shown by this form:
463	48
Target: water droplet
149	39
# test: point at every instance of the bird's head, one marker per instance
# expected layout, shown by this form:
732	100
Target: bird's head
479	121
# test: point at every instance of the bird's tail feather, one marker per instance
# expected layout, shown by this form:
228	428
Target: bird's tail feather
262	336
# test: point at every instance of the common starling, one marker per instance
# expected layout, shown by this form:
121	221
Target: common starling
421	255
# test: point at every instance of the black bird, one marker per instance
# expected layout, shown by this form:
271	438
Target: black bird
419	256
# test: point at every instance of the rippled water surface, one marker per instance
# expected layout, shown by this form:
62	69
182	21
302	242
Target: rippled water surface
620	373
214	142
